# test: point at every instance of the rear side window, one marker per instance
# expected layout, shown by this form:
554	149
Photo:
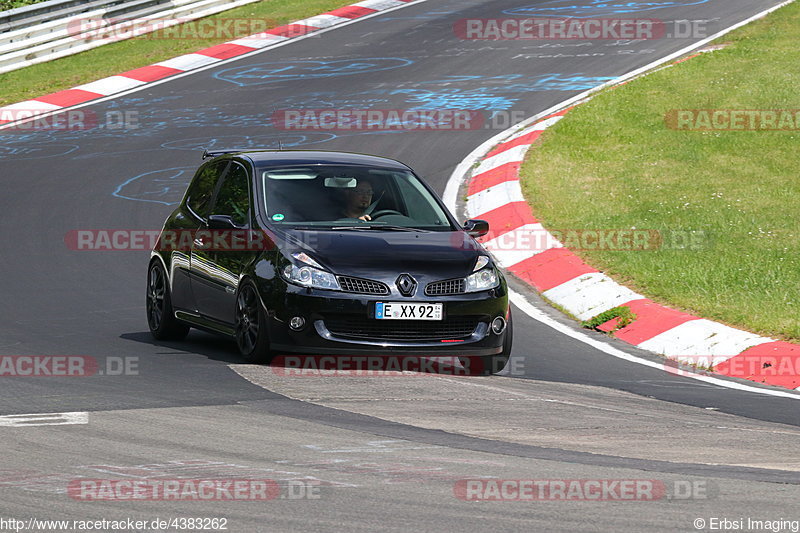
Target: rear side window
233	198
201	191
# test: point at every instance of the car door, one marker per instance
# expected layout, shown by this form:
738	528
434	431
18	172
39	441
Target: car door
184	223
218	264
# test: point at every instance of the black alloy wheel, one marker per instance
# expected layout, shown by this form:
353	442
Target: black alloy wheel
251	326
160	316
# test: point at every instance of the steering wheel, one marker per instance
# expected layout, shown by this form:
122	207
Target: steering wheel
383	212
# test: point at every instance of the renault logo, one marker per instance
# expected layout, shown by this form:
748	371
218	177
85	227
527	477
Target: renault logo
406	284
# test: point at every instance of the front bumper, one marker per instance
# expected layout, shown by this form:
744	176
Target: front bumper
465	330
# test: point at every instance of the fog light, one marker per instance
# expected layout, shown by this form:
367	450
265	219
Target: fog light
297	323
498	325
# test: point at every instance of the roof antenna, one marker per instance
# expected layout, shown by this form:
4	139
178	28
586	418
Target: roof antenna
274	114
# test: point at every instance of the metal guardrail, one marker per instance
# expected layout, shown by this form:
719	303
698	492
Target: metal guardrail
57	28
30	15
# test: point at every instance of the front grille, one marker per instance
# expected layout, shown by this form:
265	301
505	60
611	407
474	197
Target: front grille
446	287
406	330
362	286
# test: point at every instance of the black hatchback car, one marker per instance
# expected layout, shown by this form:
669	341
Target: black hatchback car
325	253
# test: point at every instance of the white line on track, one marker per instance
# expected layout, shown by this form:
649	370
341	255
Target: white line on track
45	419
539	315
458	176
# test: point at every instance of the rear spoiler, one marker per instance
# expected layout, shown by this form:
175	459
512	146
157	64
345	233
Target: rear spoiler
216	153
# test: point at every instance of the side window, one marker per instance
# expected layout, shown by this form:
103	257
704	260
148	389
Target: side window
233	198
201	191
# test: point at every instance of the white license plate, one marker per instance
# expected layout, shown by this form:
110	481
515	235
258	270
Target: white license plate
408	311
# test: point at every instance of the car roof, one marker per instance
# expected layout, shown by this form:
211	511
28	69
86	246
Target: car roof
273	158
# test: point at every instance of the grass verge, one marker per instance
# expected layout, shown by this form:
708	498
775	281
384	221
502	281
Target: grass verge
111	59
622	316
5	5
613	163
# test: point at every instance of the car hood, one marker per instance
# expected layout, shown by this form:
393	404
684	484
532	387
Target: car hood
376	254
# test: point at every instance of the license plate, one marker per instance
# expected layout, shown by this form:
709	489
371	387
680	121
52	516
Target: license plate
408	311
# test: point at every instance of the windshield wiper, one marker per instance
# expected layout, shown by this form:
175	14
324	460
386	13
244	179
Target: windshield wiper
401	228
387	227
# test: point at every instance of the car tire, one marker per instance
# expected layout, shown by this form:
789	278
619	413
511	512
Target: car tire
487	365
160	315
252	336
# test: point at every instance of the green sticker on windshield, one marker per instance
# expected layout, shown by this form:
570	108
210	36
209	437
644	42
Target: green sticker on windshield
277	217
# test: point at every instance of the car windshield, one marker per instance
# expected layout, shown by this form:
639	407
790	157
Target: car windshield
338	197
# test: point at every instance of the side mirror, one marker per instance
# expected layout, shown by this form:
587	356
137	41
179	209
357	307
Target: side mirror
476	228
221	222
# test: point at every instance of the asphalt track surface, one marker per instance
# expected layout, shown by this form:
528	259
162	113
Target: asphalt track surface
189	401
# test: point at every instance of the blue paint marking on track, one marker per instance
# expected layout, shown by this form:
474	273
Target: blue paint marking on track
148	123
250	142
332	100
157	120
559	82
9	152
493	97
455	78
455	92
167	186
595	8
278	71
455	99
522	83
476	92
164	186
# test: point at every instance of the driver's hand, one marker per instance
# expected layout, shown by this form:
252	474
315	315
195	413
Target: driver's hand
365	218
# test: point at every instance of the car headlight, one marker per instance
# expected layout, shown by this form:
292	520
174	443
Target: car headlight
482	280
310	274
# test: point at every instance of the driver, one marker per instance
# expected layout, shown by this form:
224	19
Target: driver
357	200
